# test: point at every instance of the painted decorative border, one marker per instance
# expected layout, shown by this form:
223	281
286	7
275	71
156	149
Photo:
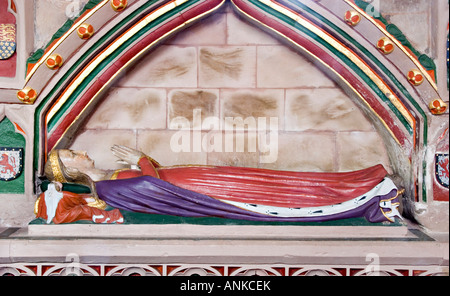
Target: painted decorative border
123	269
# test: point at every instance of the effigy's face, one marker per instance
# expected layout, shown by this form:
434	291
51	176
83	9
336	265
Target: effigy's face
76	159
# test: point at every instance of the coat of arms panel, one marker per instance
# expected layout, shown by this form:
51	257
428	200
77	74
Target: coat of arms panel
11	163
442	169
7	41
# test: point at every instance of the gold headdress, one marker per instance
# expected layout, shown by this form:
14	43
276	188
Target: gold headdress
55	165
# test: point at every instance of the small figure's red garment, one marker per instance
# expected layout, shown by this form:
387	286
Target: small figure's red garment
73	207
265	187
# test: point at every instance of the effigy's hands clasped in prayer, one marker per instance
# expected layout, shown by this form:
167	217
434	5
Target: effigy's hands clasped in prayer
127	155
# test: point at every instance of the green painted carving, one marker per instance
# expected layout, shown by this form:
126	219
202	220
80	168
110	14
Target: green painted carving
425	60
149	219
9	139
67	25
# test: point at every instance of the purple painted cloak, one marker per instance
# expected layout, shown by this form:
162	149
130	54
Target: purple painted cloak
155	196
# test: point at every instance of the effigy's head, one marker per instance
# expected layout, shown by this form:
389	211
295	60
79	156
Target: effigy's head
75	159
64	163
68	166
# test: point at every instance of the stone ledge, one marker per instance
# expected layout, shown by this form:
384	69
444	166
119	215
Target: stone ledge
247	232
193	244
98	251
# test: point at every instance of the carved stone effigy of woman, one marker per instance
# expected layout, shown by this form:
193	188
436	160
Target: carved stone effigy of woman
226	192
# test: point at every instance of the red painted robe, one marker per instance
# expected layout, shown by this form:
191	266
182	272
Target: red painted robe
73	207
264	187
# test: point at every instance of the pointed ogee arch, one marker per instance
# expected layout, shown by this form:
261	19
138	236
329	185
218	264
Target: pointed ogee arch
103	42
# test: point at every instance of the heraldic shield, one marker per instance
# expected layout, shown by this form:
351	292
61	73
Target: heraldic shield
442	166
11	163
7	40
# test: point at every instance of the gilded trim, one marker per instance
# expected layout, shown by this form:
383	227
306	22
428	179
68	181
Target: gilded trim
153	166
397	204
56	169
36	206
98	204
116	174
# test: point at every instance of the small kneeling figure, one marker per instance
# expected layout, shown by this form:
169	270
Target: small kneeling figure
57	206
